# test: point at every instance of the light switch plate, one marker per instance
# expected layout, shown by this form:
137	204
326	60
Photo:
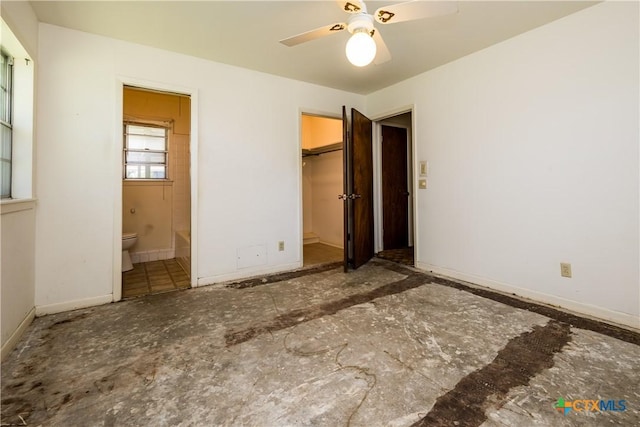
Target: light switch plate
424	168
565	269
422	184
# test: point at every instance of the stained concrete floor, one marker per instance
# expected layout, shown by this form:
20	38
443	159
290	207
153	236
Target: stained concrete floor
381	346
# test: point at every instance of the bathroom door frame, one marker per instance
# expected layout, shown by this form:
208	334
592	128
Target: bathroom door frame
120	83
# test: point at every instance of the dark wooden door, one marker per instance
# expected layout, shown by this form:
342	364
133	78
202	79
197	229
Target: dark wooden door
395	195
359	191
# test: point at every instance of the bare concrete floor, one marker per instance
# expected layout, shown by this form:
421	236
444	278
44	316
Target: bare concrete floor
381	346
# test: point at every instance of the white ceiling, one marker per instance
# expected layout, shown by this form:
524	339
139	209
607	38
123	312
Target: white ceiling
246	33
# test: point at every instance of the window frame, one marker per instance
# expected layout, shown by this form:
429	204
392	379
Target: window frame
126	149
6	122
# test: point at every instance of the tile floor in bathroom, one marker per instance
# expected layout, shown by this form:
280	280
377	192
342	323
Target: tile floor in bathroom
154	277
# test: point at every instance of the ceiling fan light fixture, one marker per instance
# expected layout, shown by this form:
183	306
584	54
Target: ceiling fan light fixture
361	48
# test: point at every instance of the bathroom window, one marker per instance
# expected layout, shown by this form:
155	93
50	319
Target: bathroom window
145	151
6	106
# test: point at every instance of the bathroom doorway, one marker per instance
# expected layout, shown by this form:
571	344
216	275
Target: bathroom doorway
322	182
156	192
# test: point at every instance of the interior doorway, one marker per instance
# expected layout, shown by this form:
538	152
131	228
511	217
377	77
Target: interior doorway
156	192
396	189
322	182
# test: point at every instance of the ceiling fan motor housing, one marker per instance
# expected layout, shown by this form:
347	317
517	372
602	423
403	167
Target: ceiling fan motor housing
360	22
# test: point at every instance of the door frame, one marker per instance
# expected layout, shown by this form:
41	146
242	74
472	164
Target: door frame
412	167
120	83
317	113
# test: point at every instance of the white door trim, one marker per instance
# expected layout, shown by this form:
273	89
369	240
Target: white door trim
377	175
121	82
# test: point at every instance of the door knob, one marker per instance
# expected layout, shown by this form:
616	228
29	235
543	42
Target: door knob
354	196
342	196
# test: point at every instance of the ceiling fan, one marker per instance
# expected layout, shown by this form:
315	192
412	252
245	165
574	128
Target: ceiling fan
365	42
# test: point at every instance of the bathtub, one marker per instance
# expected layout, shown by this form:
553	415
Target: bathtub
183	250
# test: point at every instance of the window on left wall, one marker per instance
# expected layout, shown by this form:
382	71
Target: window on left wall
17	90
6	129
145	151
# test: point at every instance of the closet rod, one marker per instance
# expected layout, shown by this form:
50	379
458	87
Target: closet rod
322	150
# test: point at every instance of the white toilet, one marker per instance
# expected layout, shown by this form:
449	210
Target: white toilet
128	240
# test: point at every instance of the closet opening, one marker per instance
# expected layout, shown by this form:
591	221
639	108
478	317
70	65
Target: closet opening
322	182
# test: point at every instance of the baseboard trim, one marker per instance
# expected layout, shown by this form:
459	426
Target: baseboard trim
247	274
333	245
43	310
11	343
581	309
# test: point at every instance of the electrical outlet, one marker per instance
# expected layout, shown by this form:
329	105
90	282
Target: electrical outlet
281	245
565	269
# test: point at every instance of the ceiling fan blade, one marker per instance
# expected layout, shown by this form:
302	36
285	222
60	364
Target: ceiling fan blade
382	52
411	10
351	6
314	34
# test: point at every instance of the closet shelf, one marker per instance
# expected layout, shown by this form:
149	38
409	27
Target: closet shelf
322	150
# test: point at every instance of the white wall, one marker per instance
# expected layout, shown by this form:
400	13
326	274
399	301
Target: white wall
17	222
307	195
326	208
248	161
323	211
533	151
17	282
